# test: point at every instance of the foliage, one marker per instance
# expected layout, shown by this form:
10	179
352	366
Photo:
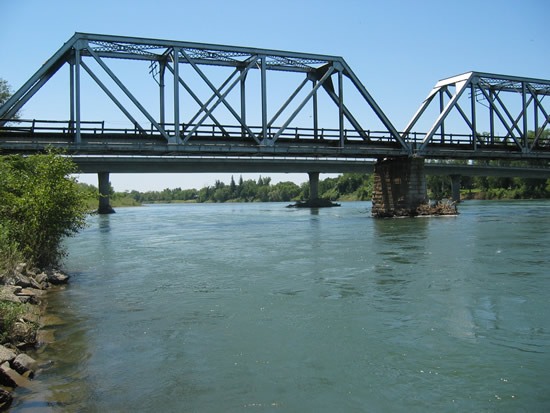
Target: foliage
346	186
492	187
9	314
5	93
40	204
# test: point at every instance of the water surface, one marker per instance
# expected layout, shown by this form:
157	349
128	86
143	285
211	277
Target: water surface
238	307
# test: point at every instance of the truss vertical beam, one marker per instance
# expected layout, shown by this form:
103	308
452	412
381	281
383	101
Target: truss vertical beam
474	116
341	107
441	108
524	114
176	56
162	99
71	95
264	100
315	112
77	62
243	103
491	115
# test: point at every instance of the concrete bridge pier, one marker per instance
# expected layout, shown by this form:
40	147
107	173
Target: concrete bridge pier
399	187
313	186
104	187
314	201
455	187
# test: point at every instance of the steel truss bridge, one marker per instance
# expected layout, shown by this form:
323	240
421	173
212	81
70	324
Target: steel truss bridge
205	95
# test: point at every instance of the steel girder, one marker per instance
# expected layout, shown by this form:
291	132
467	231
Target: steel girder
167	54
485	89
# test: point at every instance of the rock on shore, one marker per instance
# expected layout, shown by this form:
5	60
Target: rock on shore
22	291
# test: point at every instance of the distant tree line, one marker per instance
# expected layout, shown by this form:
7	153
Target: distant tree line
345	187
491	187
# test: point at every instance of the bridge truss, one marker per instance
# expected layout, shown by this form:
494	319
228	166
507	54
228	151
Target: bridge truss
202	131
219	81
503	115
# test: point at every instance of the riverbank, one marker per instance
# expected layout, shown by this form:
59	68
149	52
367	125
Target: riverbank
23	295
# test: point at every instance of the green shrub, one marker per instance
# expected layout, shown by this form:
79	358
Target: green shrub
40	204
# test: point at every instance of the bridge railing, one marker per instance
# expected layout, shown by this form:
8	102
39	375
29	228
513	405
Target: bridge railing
24	129
67	128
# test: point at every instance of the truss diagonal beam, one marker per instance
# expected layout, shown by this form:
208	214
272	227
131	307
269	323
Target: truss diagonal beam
205	105
346	112
538	106
463	114
217	92
374	106
130	96
288	101
507	112
31	86
430	134
301	105
221	98
197	99
113	98
499	115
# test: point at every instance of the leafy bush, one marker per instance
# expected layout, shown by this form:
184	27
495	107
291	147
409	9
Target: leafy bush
40	204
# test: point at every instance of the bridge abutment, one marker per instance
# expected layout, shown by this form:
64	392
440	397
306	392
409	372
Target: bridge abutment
104	187
399	187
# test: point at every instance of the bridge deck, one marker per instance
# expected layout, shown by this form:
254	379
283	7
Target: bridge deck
27	136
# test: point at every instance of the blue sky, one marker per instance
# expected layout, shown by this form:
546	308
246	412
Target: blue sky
398	49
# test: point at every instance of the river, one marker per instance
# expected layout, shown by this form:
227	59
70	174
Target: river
256	307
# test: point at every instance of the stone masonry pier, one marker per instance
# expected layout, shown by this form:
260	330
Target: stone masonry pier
399	187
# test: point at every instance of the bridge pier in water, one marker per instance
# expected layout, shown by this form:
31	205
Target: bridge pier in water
399	187
313	186
104	187
455	187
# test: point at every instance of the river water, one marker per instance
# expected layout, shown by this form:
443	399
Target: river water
256	307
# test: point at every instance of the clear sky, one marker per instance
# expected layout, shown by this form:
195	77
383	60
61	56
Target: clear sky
398	49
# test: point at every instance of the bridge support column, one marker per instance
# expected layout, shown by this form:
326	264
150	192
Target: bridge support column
399	187
104	187
455	187
313	185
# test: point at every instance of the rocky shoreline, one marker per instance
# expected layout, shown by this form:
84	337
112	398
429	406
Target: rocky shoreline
22	294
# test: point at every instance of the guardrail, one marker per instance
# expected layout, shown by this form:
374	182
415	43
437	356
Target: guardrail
38	126
66	129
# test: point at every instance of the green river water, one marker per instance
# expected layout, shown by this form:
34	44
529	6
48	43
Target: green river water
256	307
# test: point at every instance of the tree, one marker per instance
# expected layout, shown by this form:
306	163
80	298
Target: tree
40	204
5	93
